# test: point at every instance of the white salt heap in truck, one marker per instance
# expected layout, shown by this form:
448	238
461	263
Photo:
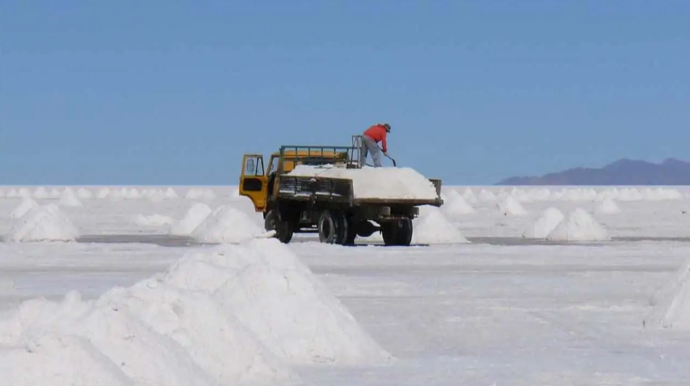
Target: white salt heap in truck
384	182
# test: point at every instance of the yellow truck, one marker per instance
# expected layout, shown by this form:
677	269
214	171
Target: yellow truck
324	205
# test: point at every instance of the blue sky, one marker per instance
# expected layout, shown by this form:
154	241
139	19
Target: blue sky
174	92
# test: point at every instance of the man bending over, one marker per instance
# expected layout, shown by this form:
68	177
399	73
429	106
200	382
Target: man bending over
372	136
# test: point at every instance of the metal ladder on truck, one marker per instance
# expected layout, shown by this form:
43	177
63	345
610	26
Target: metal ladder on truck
356	161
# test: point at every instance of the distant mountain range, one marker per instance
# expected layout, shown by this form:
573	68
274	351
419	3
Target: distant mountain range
622	172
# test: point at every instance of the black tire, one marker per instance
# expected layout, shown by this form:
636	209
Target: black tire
397	232
333	227
351	232
405	230
284	229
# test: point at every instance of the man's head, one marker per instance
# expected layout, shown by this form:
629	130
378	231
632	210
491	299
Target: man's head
387	127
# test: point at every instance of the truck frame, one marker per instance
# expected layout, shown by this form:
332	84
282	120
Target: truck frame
325	205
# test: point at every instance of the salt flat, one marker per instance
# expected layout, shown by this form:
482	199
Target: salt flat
488	308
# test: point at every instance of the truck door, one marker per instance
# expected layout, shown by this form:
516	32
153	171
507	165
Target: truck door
253	180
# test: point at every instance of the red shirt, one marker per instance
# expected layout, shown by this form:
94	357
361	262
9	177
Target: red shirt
378	133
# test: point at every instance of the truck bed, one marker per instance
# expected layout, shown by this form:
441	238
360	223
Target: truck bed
340	190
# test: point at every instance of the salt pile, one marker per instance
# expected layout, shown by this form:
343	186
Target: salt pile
384	182
44	223
140	352
487	195
130	194
510	206
54	193
154	220
41	193
227	225
103	193
24	193
194	217
157	195
456	205
26	205
84	194
200	194
12	193
608	206
579	226
148	334
171	194
469	196
540	194
65	360
578	194
432	227
629	194
548	221
671	304
277	297
216	341
69	198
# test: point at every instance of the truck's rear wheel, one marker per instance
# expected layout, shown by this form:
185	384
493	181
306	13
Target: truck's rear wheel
351	232
333	227
284	229
397	232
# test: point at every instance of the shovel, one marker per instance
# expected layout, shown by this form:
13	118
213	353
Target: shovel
390	158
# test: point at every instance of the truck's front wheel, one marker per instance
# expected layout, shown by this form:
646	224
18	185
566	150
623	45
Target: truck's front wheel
283	229
397	232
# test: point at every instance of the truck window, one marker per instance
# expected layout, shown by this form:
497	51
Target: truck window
254	166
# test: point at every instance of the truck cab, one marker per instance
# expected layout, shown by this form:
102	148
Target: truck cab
259	183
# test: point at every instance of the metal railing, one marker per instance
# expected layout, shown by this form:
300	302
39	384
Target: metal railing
319	155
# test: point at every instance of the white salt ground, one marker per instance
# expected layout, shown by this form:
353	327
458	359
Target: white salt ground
154	220
385	182
43	223
432	227
548	221
579	226
195	215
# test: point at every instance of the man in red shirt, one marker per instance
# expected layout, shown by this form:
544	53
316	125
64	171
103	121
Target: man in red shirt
372	136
